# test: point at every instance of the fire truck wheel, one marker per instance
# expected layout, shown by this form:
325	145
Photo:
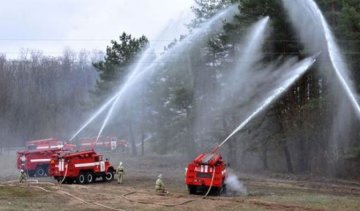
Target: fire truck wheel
223	191
81	178
109	176
89	177
40	172
216	191
191	189
31	173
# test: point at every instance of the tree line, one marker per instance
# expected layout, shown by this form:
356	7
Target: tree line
43	96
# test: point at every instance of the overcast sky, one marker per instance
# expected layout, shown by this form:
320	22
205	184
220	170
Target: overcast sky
52	25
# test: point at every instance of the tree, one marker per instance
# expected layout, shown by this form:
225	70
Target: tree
119	56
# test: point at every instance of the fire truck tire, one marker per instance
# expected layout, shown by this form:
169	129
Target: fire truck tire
191	189
89	177
69	180
223	191
40	171
81	178
109	176
31	173
216	191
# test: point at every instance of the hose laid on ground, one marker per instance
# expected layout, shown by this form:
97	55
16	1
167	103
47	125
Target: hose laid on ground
212	180
41	188
8	183
166	205
75	197
86	202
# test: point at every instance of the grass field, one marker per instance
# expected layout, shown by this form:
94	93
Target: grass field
137	192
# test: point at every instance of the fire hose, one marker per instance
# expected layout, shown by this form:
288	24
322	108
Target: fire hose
161	204
63	192
212	180
63	179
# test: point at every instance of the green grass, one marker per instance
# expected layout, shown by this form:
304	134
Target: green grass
27	198
18	191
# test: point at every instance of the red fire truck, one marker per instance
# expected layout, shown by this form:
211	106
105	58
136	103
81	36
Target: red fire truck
103	143
82	167
207	170
50	143
35	162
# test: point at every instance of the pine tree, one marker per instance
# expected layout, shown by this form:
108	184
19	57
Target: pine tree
116	63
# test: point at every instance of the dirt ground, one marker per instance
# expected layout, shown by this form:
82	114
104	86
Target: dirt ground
274	192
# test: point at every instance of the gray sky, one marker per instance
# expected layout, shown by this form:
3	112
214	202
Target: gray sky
52	25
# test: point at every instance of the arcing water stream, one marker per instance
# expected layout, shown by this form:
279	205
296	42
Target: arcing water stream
236	81
115	98
254	41
139	71
250	55
314	22
298	70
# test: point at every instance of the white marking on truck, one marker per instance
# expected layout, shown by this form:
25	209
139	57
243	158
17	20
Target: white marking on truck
86	164
102	166
113	145
56	146
61	165
43	147
39	160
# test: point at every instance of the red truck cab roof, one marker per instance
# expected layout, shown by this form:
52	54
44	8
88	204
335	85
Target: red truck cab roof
209	159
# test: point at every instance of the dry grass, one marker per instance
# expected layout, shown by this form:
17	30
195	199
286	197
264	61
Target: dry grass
265	193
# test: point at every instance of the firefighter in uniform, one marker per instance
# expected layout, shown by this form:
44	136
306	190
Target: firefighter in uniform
120	173
159	186
22	176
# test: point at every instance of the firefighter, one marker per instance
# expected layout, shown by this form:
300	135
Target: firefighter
159	186
120	173
22	176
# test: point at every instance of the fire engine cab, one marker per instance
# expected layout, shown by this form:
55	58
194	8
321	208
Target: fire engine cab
35	162
82	167
207	170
